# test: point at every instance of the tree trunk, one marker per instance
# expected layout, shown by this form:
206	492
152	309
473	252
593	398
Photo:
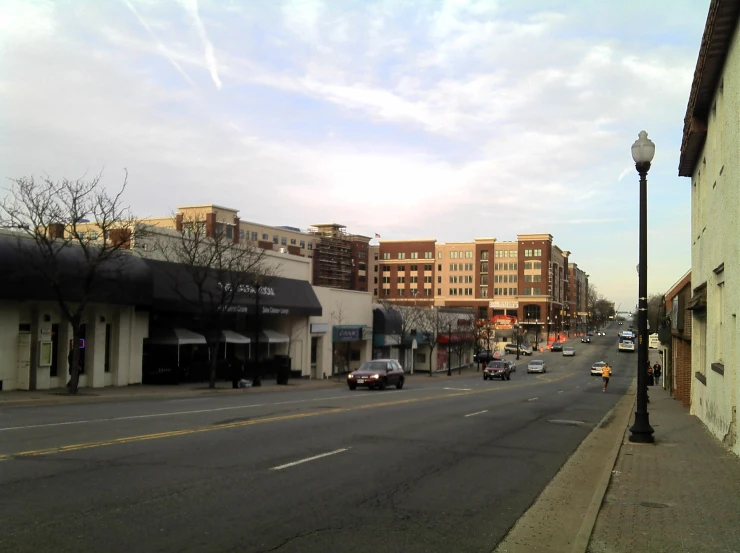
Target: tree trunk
74	362
212	364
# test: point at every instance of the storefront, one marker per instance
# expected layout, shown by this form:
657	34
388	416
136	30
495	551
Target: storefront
387	325
349	347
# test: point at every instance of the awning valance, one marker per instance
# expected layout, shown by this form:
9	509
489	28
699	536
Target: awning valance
175	290
273	337
175	337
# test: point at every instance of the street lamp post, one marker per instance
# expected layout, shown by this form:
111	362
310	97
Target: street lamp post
449	350
643	151
516	329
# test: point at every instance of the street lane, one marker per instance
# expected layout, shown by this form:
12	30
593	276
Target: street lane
415	472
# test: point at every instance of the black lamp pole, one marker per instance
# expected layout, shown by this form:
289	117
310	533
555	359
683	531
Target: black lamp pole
449	350
516	329
641	432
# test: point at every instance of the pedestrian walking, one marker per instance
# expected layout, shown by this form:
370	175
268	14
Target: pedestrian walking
650	375
606	372
656	372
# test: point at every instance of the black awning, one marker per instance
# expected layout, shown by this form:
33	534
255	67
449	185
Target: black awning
386	321
124	279
175	290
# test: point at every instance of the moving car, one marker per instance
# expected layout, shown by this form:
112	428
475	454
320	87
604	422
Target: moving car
484	356
378	373
512	365
596	368
536	366
569	351
523	349
497	369
586	339
556	346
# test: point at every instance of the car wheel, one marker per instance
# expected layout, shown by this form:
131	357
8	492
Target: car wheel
485	377
399	384
353	386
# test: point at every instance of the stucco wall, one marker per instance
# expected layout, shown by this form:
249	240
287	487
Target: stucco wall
342	307
715	227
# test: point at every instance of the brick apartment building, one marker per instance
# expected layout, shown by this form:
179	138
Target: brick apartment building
677	368
578	298
340	259
527	278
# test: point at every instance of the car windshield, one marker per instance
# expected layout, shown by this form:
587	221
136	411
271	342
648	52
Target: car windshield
371	366
536	362
496	365
599	364
568	349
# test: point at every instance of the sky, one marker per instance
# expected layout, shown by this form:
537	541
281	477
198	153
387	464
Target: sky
451	119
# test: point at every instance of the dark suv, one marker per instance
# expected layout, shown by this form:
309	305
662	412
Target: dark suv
484	356
556	346
497	369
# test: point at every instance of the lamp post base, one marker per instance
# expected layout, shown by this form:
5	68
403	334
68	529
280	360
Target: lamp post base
641	432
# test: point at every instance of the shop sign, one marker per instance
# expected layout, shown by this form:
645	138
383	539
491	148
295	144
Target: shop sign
247	289
347	334
503	304
275	310
319	328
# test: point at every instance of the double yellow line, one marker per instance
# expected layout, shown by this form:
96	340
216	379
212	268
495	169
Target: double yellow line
263	420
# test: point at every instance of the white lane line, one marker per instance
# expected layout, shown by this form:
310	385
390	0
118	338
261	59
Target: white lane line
533	399
198	411
478	413
459	389
307	459
560	391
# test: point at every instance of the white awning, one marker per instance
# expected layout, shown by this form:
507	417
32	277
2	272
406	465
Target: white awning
175	337
231	337
273	337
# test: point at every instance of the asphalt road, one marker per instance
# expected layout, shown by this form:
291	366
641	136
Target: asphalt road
442	465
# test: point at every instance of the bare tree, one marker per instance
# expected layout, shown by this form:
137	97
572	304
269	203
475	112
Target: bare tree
433	323
219	269
410	318
71	226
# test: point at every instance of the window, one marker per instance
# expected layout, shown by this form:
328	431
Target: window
414	255
402	268
375	270
453	267
376	256
275	239
453	280
241	234
386	268
401	255
538	253
361	267
468	291
401	291
303	244
484	266
468	266
513	278
497	291
439	267
254	236
386	280
453	291
453	255
484	291
265	237
527	253
361	278
439	291
428	255
514	266
427	280
401	280
310	245
469	255
512	253
497	253
484	279
468	279
484	255
375	291
537	264
414	267
386	255
427	291
375	280
439	280
283	241
513	291
439	255
386	291
413	280
427	267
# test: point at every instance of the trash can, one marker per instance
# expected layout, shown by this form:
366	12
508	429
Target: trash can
282	368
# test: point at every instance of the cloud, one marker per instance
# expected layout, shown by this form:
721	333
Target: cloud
191	7
451	119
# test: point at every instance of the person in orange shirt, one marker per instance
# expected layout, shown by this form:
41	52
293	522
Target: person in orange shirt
606	372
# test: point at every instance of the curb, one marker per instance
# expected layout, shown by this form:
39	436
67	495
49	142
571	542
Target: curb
562	518
583	537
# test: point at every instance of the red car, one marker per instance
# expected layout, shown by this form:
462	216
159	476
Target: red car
497	369
378	373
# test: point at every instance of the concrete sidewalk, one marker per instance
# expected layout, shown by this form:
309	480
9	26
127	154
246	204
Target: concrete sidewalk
681	494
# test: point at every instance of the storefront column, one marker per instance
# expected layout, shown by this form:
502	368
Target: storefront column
95	349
